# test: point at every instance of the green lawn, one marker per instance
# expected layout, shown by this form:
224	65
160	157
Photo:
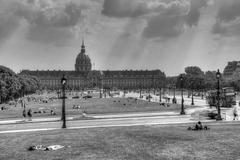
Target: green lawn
92	106
130	143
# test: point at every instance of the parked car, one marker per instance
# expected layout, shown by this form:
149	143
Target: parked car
212	114
87	96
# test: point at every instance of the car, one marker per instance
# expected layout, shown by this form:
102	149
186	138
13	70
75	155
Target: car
212	114
62	97
87	96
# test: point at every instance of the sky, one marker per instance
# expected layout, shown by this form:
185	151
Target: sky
120	34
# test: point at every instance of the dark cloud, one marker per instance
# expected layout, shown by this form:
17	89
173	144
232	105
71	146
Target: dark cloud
123	8
54	25
228	19
172	22
163	26
166	18
134	8
229	11
45	21
226	29
64	16
193	16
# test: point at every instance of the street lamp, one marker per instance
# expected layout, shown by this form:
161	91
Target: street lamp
182	105
63	82
149	95
140	91
192	93
100	96
218	75
160	94
101	83
174	94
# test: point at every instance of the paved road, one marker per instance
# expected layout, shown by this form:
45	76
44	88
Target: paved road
153	120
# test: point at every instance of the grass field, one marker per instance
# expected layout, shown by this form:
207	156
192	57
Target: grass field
130	143
91	106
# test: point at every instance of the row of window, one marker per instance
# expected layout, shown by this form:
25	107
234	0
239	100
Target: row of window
132	82
131	76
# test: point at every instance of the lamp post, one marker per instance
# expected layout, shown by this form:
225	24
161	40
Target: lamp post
218	75
174	94
182	105
149	95
100	96
160	94
192	93
101	84
140	91
63	82
202	94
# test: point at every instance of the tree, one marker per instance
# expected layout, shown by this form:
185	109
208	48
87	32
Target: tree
29	84
3	91
13	85
210	79
193	70
171	81
194	78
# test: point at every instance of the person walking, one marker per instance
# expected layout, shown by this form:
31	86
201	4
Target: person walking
24	114
30	114
235	113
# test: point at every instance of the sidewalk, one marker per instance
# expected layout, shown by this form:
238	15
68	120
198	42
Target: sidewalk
17	121
187	101
91	116
226	114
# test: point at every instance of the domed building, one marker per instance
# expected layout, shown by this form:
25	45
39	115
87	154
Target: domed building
83	62
84	77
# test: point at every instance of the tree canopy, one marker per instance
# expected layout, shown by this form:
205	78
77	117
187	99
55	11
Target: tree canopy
13	85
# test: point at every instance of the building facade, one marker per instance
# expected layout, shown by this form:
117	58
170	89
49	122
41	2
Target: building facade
232	71
85	78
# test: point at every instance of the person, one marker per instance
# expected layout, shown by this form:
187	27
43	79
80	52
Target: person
84	113
51	112
198	126
24	113
235	113
30	114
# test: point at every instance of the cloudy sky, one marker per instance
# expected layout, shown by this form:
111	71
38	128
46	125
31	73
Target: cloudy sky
120	34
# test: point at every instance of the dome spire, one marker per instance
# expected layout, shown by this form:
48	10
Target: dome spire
83	47
83	43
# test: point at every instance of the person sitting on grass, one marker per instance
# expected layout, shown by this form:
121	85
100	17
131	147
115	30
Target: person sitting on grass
198	126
